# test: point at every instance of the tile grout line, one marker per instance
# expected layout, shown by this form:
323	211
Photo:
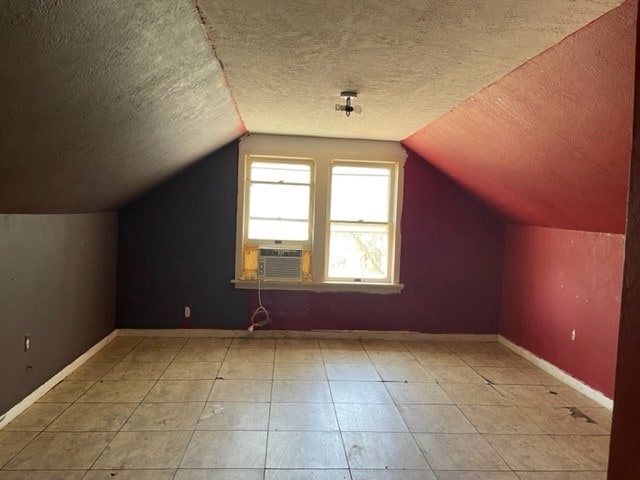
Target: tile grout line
132	412
204	404
123	423
413	434
266	443
335	414
70	404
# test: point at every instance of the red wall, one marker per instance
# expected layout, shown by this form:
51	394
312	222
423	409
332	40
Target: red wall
548	143
556	281
451	267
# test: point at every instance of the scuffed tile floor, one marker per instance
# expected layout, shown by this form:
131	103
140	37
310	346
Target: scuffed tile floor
167	408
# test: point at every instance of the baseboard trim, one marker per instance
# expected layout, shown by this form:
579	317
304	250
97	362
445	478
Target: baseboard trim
323	334
34	396
556	372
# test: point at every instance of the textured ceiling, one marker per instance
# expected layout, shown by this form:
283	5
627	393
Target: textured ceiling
102	100
410	61
549	144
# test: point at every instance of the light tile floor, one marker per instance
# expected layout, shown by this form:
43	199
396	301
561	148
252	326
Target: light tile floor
212	408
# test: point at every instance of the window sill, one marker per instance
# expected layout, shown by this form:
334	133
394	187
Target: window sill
360	287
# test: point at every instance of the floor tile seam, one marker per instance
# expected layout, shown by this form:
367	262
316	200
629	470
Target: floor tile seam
545	429
302	349
424	456
65	380
368	403
129	417
530	435
101	452
186	446
531	418
266	443
395	402
46	470
117	361
145	430
335	416
300	362
95	382
152	402
411	404
344	450
217	374
488	444
517	472
37	434
475	427
155	381
44	428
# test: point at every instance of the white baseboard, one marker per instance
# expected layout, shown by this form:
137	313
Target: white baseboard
561	375
34	396
324	334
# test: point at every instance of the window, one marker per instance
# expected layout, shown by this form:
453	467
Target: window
332	204
279	200
360	224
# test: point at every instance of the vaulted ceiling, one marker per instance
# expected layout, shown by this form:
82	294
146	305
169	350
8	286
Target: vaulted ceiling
526	104
549	143
102	100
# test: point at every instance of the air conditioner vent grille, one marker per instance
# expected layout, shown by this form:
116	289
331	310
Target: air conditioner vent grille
280	264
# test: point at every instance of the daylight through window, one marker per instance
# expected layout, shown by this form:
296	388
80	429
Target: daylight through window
322	219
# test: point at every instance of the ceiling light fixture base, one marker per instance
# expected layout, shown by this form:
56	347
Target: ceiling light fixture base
348	107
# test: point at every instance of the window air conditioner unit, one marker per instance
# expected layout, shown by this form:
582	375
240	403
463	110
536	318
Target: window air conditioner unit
280	264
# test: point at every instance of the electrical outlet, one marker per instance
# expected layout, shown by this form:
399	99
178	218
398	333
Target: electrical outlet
27	342
187	311
573	335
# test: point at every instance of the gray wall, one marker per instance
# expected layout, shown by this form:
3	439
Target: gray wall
57	283
176	247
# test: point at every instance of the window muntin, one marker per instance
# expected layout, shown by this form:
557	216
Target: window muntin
280	172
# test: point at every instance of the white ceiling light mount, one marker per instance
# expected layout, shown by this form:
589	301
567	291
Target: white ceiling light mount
348	105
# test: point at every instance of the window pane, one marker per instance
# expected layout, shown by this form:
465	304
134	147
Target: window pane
359	251
360	193
279	212
280	172
260	229
279	201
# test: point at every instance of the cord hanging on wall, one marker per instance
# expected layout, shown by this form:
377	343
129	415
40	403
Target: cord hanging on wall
260	311
348	106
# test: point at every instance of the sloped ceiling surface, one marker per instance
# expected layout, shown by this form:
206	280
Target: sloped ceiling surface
103	99
549	144
410	61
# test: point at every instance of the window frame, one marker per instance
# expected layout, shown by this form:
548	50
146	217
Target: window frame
321	153
391	219
247	192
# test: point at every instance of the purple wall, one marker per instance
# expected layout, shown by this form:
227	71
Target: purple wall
451	267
